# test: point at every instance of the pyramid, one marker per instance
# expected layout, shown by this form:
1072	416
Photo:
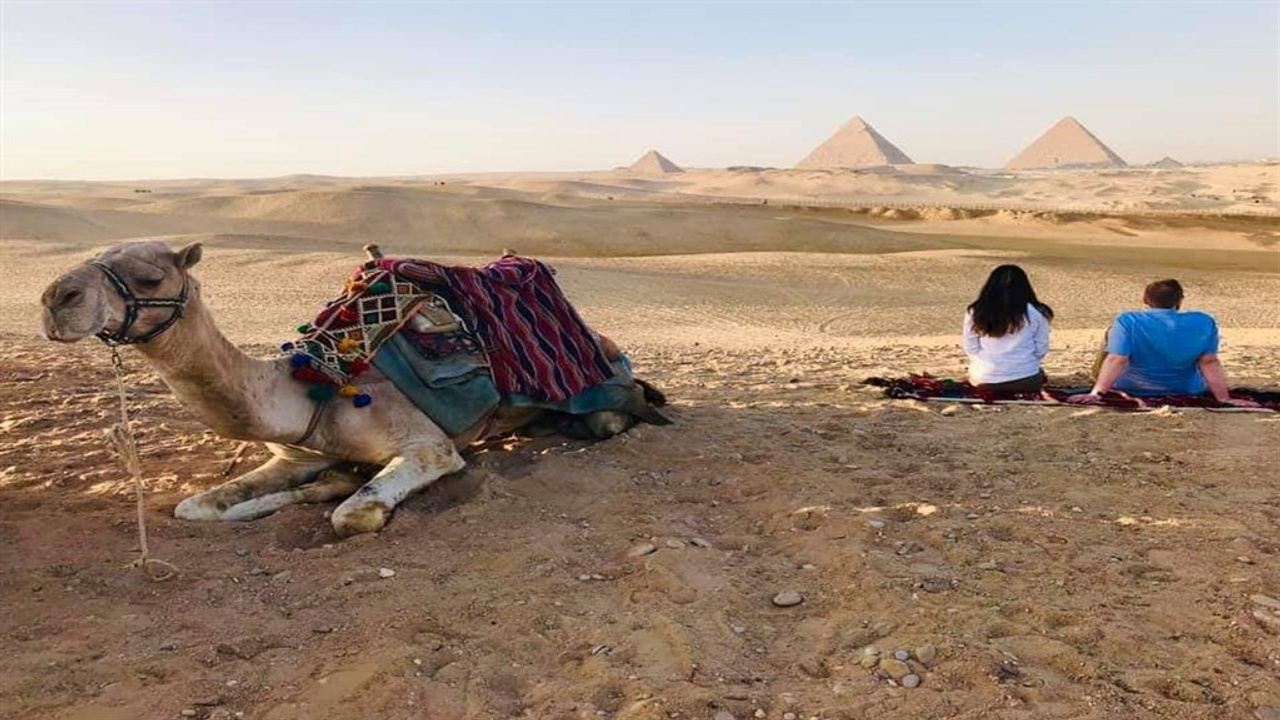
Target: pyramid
1166	163
855	144
1067	144
654	163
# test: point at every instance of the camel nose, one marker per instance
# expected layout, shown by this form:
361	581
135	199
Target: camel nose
60	294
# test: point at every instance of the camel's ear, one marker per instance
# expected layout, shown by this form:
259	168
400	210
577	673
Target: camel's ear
189	255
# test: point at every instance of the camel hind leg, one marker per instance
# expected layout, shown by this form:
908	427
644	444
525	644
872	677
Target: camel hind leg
279	474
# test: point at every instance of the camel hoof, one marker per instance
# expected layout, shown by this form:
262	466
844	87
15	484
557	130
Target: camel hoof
604	424
194	508
366	518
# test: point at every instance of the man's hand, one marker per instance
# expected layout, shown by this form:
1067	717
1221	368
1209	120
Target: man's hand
1085	399
1240	403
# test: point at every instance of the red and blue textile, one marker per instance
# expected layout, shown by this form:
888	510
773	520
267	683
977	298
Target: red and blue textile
927	387
535	341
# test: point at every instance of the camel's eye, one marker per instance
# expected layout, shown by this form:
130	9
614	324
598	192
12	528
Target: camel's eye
151	283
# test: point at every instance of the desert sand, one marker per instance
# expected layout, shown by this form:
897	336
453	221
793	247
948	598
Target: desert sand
1063	562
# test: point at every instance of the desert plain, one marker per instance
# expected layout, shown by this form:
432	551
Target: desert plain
1035	562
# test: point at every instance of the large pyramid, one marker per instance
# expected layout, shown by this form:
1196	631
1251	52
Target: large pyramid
653	163
1067	144
855	144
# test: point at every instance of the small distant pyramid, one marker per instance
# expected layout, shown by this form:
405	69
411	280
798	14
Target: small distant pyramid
855	144
1067	144
654	163
1166	163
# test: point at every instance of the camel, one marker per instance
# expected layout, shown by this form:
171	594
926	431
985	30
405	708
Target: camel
143	294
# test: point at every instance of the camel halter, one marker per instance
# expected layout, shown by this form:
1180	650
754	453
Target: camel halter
132	303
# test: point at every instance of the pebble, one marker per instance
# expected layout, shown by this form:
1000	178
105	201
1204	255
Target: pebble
699	542
901	655
1265	601
674	544
188	712
385	573
759	713
988	565
926	654
788	716
788	598
894	668
870	657
739	629
642	549
808	566
972	516
950	410
1244	559
242	552
584	577
910	681
877	524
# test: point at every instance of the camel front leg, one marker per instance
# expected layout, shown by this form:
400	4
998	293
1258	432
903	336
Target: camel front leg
274	476
417	467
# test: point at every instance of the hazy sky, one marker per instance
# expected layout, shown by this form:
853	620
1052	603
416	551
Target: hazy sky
147	90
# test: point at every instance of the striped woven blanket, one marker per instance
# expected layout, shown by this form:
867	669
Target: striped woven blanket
927	387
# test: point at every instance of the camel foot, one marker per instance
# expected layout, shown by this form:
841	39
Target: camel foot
197	508
362	518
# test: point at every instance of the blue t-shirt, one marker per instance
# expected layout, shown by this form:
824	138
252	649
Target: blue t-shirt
1163	347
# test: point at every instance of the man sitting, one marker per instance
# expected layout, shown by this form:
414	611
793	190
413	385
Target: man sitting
1162	351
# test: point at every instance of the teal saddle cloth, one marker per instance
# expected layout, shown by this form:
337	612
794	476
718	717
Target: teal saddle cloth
456	390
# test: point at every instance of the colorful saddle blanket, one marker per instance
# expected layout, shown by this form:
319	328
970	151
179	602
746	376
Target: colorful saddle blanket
927	387
508	322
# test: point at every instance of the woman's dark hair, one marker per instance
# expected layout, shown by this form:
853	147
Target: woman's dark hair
1001	307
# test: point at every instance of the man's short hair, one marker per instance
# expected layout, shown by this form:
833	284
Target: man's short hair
1163	294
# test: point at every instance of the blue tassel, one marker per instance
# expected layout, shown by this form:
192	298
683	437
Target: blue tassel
362	400
299	360
286	347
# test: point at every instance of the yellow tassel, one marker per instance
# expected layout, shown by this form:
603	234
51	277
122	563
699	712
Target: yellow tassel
347	391
348	344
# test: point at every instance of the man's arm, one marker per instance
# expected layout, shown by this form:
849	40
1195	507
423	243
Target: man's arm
1216	378
1112	368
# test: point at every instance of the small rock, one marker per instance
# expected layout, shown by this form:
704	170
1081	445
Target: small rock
699	542
877	524
1076	508
926	654
739	629
972	516
642	549
759	713
188	712
788	598
723	715
584	577
1267	620
1244	559
808	566
894	668
242	552
910	681
988	565
385	573
902	655
1265	601
322	629
870	657
282	576
674	544
950	410
788	716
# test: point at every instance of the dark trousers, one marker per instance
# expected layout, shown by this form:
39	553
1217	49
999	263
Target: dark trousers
1029	384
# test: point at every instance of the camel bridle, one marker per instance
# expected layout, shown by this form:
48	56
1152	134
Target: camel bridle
133	303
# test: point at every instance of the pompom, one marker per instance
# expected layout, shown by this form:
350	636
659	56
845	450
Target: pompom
356	287
286	347
298	360
362	400
348	391
348	344
380	288
356	367
348	315
304	328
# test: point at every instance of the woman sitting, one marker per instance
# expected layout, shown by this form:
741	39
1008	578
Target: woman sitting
1006	334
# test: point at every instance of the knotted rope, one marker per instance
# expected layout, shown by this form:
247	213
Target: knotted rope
121	438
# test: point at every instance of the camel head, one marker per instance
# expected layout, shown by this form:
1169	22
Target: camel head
85	300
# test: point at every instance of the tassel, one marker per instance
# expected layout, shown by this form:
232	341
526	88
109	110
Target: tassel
286	347
304	328
346	345
356	367
362	400
297	360
380	288
348	391
348	315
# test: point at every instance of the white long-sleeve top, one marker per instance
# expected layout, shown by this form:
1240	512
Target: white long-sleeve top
1010	357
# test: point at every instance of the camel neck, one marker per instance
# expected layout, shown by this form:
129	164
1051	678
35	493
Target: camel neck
218	382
